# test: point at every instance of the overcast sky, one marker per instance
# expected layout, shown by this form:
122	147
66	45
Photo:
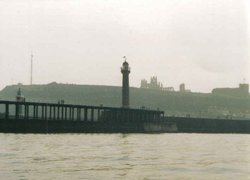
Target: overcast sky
202	43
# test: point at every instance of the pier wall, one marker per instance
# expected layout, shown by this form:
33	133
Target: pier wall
203	125
30	117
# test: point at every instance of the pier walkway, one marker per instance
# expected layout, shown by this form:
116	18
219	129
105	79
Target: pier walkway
55	111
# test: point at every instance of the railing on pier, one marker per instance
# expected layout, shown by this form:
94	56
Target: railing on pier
53	111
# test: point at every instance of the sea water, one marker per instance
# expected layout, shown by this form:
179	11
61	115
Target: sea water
124	156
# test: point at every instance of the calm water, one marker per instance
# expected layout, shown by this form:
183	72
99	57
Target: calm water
117	156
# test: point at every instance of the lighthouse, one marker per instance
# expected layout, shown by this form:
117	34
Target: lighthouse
125	70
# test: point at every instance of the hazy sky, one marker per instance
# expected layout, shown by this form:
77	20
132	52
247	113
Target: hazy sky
203	43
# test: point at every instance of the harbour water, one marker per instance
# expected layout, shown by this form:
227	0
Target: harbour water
125	156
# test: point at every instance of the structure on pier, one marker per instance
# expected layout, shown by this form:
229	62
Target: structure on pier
20	98
54	118
125	70
54	111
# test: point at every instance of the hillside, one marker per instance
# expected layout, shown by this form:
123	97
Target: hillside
173	103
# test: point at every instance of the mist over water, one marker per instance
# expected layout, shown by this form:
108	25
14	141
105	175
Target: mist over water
118	156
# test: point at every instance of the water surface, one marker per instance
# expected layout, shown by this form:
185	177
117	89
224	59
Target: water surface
129	156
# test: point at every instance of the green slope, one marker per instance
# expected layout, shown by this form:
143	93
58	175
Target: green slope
173	103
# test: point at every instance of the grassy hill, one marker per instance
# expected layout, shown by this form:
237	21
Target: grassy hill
173	103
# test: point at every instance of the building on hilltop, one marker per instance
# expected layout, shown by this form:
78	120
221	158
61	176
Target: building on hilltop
168	89
182	88
154	84
242	90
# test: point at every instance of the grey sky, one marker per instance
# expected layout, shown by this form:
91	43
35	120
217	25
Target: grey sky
203	43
